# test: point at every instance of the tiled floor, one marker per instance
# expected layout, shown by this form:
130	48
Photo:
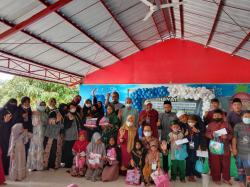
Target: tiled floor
61	178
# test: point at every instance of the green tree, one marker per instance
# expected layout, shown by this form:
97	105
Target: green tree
36	90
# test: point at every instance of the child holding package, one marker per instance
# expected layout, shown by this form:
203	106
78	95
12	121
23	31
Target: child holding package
113	158
79	151
152	162
95	158
177	166
194	137
18	139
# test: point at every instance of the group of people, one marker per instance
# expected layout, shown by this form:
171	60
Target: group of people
121	139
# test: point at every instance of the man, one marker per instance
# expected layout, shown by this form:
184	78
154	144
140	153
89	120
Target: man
149	117
214	105
241	146
115	102
234	116
128	110
165	120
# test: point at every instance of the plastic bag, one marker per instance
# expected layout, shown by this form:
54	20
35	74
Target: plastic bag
199	166
233	167
181	153
216	147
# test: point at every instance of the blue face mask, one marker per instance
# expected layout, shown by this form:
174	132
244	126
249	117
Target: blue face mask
246	120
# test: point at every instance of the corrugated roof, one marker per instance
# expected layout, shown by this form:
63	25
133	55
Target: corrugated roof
83	36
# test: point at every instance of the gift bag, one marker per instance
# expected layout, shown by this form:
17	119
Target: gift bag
133	177
160	179
199	166
216	147
233	167
206	168
181	152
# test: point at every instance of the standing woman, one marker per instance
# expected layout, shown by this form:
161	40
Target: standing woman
51	105
126	138
5	131
52	138
39	121
71	127
110	130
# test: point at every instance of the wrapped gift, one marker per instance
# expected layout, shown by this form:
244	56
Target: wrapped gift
91	122
160	179
111	154
104	121
216	147
133	177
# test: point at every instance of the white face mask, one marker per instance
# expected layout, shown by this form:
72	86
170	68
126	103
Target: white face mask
73	110
41	108
25	107
88	105
129	123
128	105
147	133
191	124
246	120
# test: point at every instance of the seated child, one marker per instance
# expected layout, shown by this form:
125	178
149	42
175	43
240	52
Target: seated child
152	162
138	155
177	166
113	158
79	152
95	158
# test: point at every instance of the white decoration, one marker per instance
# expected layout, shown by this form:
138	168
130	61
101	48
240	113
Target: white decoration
183	91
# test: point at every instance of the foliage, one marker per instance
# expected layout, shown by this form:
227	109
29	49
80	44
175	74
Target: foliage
36	90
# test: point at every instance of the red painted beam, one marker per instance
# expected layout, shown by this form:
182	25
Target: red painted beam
242	43
166	19
34	18
216	19
110	12
82	31
38	64
173	18
182	19
52	45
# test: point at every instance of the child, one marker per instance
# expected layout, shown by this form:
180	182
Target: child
95	153
113	158
2	177
18	139
177	166
138	155
152	162
193	137
220	164
79	150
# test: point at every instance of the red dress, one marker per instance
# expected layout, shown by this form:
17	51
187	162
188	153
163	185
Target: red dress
124	152
2	177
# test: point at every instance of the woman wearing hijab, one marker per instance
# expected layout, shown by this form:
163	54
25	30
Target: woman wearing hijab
126	138
95	155
71	128
39	122
53	138
111	129
5	131
18	139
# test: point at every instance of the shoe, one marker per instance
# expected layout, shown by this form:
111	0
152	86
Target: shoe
183	181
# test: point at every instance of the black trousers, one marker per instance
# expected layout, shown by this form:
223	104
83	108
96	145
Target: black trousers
165	163
67	153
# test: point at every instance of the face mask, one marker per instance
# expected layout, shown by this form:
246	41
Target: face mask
246	120
88	105
129	123
41	108
147	133
115	102
191	124
73	110
218	119
128	105
51	107
26	107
